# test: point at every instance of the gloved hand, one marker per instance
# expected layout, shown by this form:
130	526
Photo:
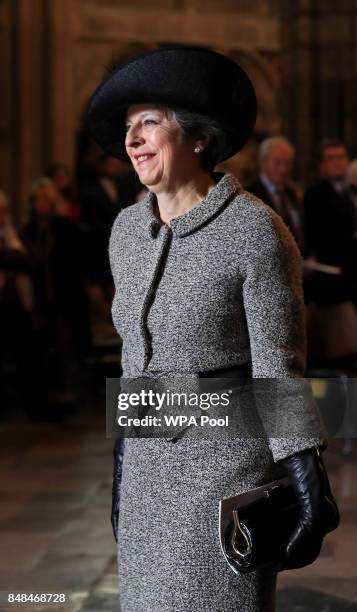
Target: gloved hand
118	452
319	513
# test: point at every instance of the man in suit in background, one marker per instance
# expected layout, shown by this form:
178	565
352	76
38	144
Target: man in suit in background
330	224
276	158
115	188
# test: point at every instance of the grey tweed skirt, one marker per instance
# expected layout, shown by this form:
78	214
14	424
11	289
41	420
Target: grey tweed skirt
169	555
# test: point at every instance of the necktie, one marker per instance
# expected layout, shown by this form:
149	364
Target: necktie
290	215
282	205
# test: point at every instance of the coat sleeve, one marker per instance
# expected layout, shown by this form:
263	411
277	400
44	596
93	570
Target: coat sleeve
114	247
275	314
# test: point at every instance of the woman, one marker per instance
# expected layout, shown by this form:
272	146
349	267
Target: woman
207	282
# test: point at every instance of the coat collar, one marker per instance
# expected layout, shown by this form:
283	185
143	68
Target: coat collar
226	187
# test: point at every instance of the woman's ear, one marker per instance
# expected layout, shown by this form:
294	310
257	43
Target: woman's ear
202	143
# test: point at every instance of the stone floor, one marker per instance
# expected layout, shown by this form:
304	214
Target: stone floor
55	530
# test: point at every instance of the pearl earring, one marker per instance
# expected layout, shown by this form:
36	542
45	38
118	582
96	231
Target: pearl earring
197	149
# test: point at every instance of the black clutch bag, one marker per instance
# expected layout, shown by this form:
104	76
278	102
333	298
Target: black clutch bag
255	526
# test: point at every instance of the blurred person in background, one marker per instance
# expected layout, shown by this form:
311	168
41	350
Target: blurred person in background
273	185
17	340
351	182
13	257
114	188
57	267
62	178
330	223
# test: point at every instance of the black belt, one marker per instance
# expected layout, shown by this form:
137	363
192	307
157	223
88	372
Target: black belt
243	370
235	378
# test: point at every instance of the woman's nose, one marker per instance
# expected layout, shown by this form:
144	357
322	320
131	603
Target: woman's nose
133	136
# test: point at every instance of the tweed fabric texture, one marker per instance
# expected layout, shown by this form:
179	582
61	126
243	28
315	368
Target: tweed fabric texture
216	287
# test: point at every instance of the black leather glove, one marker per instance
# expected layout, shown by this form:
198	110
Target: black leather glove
318	510
118	452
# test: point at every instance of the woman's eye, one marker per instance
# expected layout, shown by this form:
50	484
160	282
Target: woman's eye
145	122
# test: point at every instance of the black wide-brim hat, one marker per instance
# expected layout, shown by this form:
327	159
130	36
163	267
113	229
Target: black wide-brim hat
197	80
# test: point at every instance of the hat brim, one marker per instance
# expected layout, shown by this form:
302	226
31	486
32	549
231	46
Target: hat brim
197	80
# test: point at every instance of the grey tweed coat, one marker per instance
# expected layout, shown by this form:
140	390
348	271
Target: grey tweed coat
216	287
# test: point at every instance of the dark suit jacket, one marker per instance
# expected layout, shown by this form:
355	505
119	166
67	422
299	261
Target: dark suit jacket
330	224
258	188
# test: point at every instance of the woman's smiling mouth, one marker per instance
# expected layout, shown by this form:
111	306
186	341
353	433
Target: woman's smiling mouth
141	159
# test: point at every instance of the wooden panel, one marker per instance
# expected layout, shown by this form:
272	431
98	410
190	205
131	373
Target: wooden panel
212	28
5	63
165	4
62	85
7	157
259	8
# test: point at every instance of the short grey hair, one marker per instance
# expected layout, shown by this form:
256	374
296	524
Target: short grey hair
269	143
195	126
